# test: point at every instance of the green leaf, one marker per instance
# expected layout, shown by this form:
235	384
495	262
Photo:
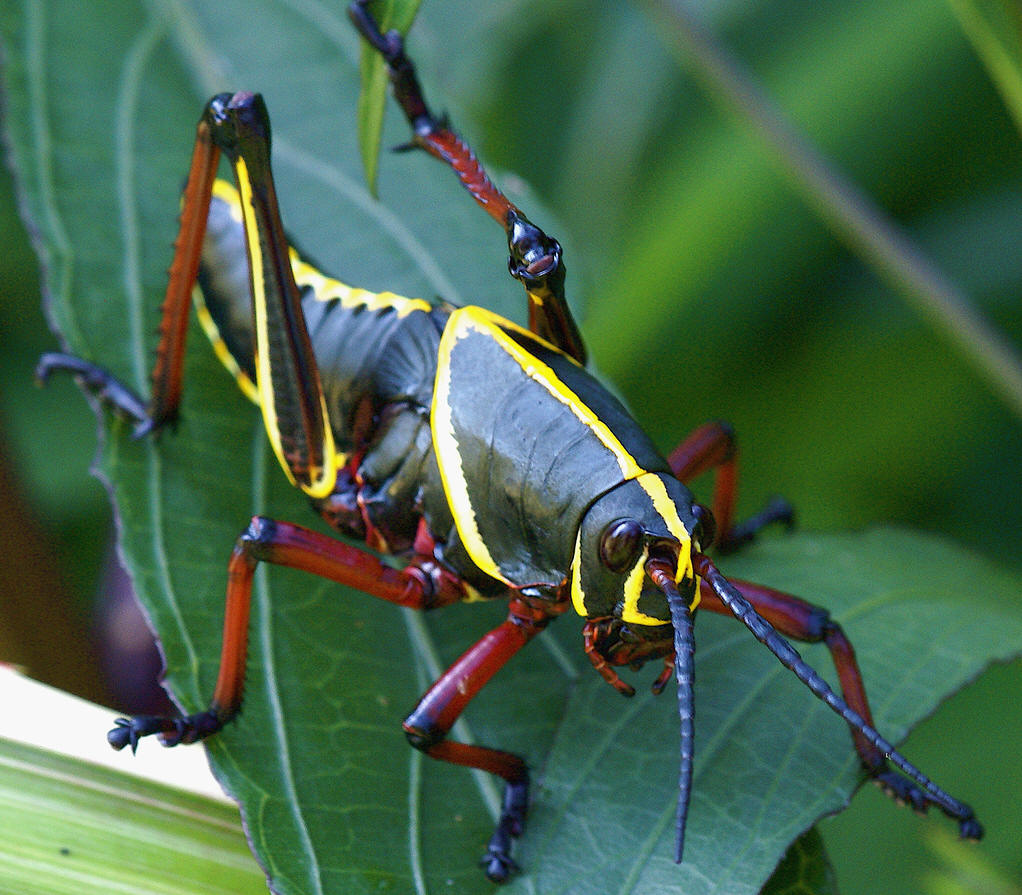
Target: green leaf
373	98
770	760
805	870
333	799
72	827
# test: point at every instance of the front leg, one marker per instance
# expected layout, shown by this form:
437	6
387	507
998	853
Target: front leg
431	720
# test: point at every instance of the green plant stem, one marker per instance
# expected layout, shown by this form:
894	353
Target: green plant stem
995	29
857	220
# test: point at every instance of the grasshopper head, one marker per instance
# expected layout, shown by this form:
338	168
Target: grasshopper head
649	517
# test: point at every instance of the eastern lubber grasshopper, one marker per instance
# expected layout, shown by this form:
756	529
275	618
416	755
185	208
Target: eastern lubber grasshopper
479	452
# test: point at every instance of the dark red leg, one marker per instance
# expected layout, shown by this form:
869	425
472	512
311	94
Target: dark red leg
804	621
168	369
535	257
423	586
283	543
431	720
713	446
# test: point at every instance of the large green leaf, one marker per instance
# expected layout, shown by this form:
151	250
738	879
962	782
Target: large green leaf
99	115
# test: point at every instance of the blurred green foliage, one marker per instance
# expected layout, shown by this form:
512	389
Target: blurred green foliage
708	288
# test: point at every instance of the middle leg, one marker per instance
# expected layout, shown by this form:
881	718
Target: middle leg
801	620
713	446
422	586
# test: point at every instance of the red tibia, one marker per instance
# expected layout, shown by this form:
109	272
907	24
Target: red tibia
447	698
800	620
428	724
711	446
448	147
169	366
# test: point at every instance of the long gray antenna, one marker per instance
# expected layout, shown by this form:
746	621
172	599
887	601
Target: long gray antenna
684	669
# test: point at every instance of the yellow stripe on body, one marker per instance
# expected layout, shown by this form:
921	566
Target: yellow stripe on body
445	443
326	288
654	486
223	353
632	590
479	320
226	193
578	596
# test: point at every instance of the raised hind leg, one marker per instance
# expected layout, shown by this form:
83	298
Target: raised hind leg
535	258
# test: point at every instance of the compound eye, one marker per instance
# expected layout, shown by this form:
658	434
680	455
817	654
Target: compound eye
706	526
620	544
